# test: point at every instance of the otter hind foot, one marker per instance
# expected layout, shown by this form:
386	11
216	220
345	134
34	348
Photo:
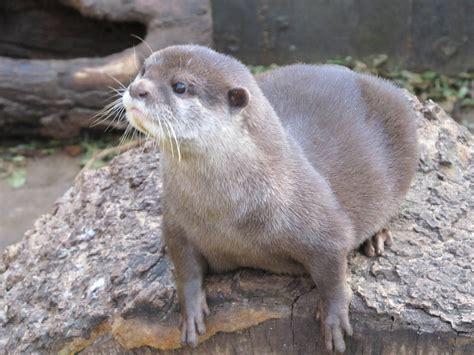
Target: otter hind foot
375	245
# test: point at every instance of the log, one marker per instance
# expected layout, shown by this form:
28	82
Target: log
57	97
93	276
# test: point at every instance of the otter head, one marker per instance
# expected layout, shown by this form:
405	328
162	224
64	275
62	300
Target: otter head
189	95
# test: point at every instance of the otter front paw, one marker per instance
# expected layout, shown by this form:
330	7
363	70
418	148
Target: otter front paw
334	316
192	319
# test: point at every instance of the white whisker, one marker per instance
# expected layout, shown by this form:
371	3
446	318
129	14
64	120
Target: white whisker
176	140
135	59
144	42
108	111
122	139
169	135
116	80
162	134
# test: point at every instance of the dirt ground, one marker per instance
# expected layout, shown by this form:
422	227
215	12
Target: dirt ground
48	178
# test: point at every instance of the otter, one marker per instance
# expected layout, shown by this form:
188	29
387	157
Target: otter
287	171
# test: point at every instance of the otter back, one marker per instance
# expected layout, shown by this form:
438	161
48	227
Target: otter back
358	131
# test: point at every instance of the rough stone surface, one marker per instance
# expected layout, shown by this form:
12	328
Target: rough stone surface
93	275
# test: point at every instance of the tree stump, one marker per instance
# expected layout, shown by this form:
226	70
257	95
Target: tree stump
93	276
57	97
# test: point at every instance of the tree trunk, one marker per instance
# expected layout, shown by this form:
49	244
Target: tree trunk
93	276
57	97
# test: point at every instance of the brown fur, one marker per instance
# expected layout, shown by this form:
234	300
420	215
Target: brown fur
317	162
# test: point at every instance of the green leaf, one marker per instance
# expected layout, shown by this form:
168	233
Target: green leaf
18	159
465	75
467	102
17	178
48	151
429	75
379	60
257	69
463	92
99	164
337	61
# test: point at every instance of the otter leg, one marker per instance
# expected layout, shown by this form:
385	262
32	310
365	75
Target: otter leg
375	245
328	271
190	267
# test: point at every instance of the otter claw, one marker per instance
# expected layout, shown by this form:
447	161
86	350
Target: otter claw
376	244
191	329
192	323
334	318
334	334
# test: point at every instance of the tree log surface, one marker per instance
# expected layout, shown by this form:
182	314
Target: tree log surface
94	276
57	98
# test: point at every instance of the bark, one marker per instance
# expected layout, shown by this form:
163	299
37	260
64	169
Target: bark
58	97
94	276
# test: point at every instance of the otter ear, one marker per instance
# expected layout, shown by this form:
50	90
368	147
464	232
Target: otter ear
238	97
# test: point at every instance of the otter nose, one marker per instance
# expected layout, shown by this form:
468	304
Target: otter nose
140	90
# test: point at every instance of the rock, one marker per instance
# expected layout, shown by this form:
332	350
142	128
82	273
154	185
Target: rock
93	276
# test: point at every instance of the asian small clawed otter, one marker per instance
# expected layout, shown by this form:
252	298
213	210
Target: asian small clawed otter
286	172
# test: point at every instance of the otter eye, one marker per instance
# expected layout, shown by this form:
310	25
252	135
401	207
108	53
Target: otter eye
179	87
142	70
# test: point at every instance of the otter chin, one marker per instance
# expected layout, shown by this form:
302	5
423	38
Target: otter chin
287	171
137	117
136	120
